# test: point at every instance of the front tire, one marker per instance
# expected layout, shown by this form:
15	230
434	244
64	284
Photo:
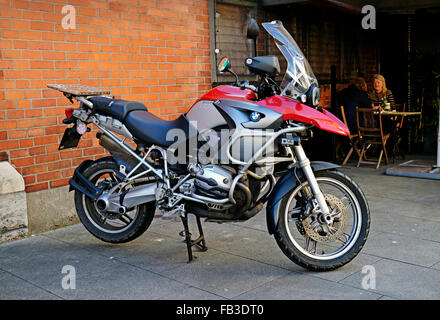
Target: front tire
295	232
113	229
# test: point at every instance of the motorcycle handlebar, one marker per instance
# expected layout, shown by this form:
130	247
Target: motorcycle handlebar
245	85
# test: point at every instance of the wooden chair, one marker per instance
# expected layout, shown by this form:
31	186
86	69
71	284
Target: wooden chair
354	140
367	121
398	133
400	108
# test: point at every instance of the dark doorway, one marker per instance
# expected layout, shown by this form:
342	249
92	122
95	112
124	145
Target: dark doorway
392	32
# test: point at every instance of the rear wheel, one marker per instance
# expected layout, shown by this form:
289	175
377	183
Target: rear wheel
301	233
106	226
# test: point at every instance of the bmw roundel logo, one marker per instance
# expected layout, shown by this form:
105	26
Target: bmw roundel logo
255	116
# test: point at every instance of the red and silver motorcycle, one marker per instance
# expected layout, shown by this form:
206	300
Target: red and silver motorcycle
237	149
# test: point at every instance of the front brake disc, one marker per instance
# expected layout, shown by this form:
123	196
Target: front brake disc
338	212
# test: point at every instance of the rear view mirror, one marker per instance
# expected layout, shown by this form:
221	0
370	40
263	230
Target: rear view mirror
224	65
253	30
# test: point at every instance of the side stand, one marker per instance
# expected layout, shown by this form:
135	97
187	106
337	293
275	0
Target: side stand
199	242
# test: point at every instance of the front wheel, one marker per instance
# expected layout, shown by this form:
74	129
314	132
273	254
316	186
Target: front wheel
301	233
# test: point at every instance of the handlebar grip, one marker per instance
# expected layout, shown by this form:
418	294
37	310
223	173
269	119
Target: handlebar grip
248	86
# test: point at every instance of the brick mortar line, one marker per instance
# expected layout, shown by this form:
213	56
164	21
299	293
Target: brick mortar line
110	37
89	24
55	4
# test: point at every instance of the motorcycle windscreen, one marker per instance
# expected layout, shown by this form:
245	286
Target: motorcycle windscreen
299	75
292	110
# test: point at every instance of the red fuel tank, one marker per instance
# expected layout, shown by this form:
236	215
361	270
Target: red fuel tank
228	92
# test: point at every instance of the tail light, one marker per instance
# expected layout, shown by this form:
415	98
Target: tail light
68	112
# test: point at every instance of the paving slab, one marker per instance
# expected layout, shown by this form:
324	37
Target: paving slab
14	288
226	275
191	293
252	244
396	222
387	298
152	251
410	250
401	280
354	266
376	183
296	286
121	282
436	266
163	254
260	246
28	247
407	208
45	268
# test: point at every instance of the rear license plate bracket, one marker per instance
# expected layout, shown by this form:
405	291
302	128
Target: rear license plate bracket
70	139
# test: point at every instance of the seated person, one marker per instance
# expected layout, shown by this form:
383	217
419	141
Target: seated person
378	96
355	95
380	93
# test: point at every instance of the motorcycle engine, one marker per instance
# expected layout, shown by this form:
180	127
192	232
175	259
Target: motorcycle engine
214	180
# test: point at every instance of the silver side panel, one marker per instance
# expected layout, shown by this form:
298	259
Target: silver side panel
204	115
252	135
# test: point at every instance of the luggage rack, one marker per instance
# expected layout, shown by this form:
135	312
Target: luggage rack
78	90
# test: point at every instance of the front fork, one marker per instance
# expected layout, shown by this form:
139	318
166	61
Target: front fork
304	164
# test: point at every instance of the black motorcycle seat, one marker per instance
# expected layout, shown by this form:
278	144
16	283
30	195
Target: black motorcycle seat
115	108
151	129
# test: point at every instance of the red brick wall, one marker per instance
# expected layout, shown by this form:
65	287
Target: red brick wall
155	52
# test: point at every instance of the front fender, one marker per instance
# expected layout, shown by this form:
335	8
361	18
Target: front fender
286	184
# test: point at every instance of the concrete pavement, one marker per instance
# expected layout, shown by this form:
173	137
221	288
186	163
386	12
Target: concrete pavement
243	260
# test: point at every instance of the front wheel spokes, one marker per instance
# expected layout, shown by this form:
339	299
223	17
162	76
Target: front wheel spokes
346	201
332	229
311	243
343	238
335	213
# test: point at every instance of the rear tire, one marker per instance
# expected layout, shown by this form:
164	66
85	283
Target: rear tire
93	220
313	260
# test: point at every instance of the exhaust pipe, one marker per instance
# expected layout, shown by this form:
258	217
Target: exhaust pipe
119	153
